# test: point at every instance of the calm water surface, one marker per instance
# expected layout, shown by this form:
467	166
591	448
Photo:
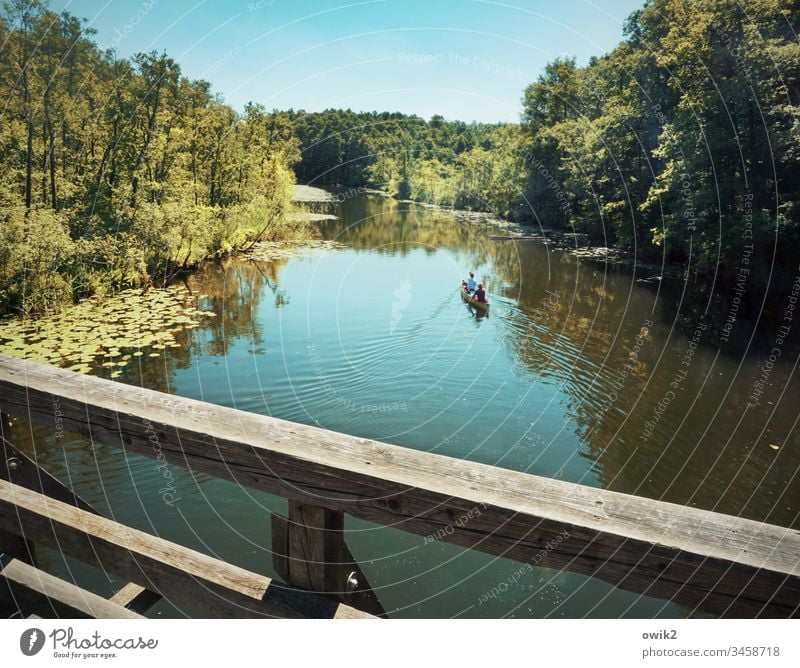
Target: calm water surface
578	373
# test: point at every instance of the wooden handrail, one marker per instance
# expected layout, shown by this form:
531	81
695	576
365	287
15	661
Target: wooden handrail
719	563
27	473
28	588
188	577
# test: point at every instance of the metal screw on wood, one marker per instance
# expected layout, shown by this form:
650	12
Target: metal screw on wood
351	584
12	463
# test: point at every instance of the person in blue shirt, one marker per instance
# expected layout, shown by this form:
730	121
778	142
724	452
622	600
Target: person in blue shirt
471	282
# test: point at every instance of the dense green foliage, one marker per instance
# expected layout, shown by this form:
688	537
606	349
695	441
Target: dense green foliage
683	139
451	163
117	171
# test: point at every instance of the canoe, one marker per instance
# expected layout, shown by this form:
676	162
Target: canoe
480	306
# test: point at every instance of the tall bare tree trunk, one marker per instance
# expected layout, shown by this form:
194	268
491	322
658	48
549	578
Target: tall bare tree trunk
51	143
29	166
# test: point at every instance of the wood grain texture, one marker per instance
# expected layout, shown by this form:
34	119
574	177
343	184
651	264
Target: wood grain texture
280	545
29	589
29	474
309	551
136	598
722	564
187	577
9	542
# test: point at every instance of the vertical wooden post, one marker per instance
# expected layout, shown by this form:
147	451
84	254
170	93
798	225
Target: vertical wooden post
309	552
313	532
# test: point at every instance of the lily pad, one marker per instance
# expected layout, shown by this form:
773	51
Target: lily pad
92	335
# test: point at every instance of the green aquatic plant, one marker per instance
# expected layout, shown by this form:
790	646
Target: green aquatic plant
105	334
270	251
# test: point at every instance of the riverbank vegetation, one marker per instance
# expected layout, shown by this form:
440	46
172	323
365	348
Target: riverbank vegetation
683	140
118	172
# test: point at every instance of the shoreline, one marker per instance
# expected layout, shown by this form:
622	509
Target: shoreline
575	243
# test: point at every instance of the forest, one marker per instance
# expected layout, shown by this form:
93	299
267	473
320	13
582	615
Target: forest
682	142
681	145
470	166
118	173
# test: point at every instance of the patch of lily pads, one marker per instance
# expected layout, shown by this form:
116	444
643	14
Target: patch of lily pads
270	251
110	334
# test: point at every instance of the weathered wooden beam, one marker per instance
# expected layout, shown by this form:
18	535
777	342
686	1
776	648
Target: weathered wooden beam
10	543
722	564
280	545
187	577
18	468
136	598
28	589
350	584
309	551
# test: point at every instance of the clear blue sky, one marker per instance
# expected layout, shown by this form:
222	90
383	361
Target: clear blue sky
464	59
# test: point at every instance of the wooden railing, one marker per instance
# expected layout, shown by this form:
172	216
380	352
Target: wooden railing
725	565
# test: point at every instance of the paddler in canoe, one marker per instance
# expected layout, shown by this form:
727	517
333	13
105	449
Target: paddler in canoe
479	296
478	299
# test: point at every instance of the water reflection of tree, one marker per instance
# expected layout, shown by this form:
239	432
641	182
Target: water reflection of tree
233	290
385	225
614	368
578	328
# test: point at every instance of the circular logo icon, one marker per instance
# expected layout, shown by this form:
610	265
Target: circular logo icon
31	641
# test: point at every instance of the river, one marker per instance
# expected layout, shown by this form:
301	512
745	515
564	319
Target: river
578	373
